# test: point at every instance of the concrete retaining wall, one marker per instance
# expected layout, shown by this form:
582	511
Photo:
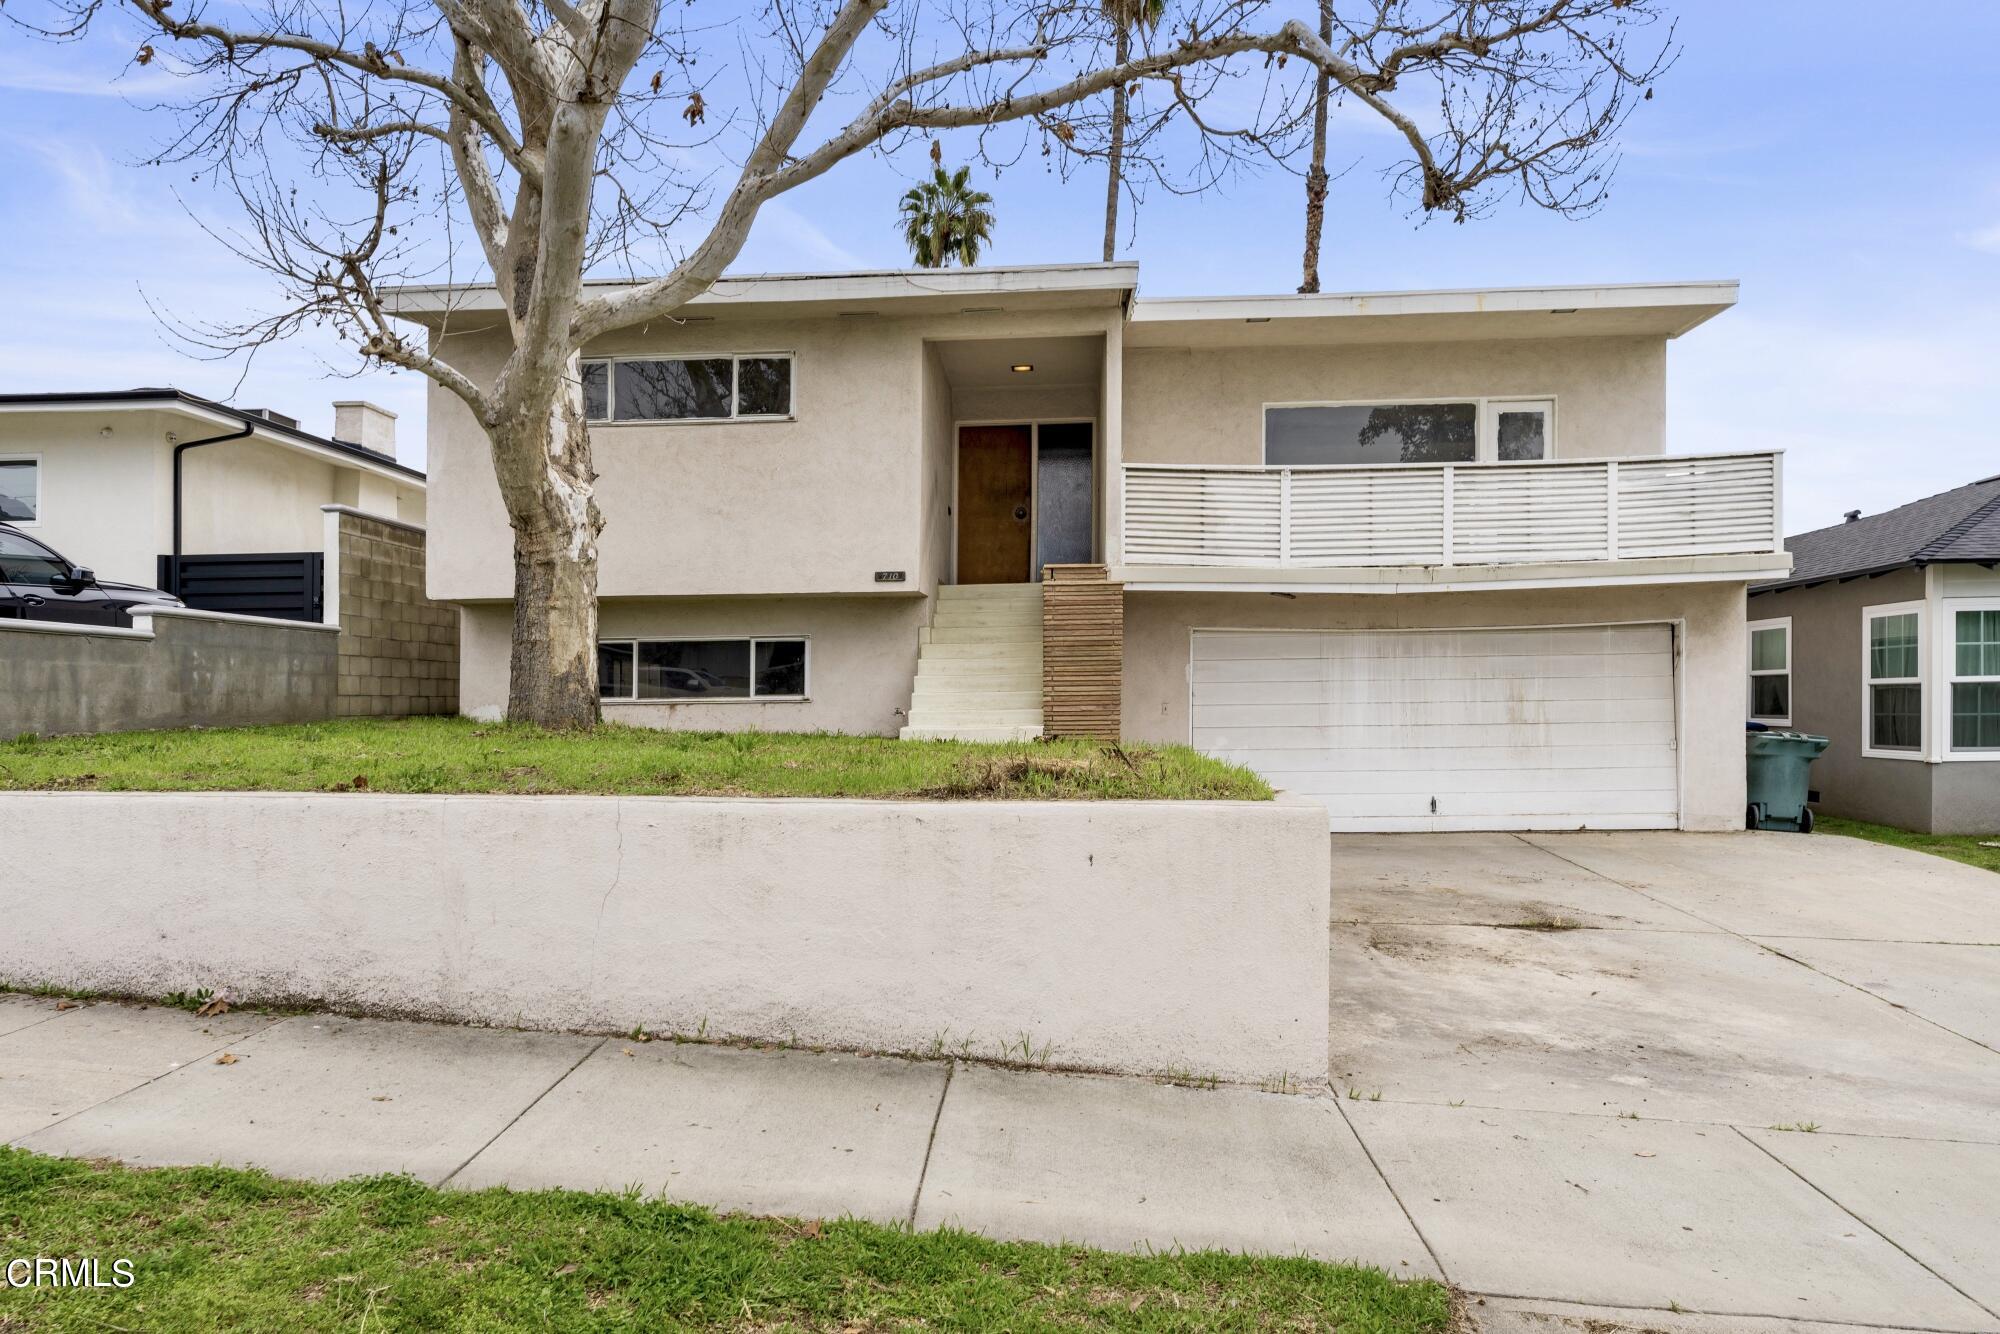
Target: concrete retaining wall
1132	936
173	668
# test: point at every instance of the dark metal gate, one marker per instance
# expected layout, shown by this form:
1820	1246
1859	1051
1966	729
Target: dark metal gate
282	584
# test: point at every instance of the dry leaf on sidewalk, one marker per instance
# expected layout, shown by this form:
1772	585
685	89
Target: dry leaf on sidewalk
218	1005
62	1005
227	1058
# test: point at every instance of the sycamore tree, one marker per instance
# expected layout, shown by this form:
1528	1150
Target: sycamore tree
530	143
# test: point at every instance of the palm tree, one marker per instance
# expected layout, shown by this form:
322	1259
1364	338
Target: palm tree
1316	174
1125	15
945	220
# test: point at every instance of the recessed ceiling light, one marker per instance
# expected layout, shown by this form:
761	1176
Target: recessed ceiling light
1022	367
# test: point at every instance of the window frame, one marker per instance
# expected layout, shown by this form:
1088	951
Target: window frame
736	360
41	491
1485	427
1750	649
1948	609
1926	725
751	640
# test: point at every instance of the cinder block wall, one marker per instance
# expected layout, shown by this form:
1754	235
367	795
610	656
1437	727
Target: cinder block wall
398	649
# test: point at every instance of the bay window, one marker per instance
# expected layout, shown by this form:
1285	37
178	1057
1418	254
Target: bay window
1892	686
1973	684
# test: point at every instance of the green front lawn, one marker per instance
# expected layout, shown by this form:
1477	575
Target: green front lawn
218	1249
459	755
1972	849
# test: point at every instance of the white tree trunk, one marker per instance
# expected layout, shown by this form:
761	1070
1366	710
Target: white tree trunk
553	667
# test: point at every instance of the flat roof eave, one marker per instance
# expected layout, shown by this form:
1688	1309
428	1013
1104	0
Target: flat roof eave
1638	309
222	417
913	290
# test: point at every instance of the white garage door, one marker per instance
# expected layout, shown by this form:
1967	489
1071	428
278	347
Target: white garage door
1450	729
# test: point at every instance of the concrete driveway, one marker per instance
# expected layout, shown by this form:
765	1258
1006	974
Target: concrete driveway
1750	1075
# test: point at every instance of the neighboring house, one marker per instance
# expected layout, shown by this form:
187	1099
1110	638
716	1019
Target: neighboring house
1886	639
1419	556
126	481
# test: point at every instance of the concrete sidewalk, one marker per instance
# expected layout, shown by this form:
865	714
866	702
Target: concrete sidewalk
1110	1162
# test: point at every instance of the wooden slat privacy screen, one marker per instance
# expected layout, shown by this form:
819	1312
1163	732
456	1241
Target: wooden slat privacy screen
1083	651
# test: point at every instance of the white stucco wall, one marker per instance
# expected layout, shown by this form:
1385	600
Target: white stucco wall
104	498
249	496
816	504
1712	646
107	490
861	666
1130	936
1205	405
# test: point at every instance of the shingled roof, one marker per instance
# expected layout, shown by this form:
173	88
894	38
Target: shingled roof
1962	524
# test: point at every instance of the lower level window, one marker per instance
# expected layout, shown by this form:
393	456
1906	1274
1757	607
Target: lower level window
701	669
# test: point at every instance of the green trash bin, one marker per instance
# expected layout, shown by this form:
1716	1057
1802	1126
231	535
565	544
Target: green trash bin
1779	763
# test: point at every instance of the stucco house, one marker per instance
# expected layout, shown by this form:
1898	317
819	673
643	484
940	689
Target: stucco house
1885	639
160	487
1420	556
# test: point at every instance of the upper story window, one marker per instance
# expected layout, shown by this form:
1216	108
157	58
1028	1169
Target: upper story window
1468	430
20	490
1771	671
720	388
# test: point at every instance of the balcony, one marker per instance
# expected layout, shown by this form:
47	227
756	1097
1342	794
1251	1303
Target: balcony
1453	514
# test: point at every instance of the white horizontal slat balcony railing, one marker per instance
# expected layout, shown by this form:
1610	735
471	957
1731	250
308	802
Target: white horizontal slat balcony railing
1453	513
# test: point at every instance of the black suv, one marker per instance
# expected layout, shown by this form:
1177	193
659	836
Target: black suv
36	584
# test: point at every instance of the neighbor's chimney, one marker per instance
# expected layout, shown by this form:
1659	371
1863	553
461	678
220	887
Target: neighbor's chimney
1852	515
366	425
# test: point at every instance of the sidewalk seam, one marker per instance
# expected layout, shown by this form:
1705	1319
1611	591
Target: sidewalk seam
515	1119
930	1143
177	1068
1827	1195
1390	1186
1867	1327
1773	950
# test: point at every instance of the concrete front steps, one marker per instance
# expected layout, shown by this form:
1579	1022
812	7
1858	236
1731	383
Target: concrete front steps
979	665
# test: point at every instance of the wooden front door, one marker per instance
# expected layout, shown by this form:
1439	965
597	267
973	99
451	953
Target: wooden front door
995	531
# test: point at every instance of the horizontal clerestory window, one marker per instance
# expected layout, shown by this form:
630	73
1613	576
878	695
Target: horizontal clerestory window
718	388
701	669
1473	430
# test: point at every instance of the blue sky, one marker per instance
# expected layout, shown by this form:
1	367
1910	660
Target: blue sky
1857	197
